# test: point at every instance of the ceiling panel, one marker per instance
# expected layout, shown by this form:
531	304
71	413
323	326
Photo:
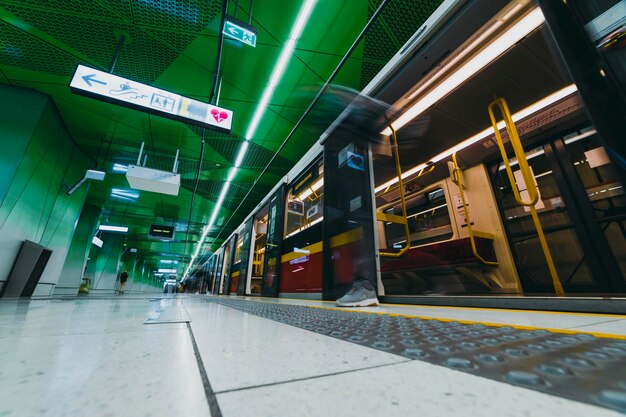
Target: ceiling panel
172	44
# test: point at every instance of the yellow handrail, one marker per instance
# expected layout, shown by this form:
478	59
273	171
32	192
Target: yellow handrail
404	221
529	180
458	174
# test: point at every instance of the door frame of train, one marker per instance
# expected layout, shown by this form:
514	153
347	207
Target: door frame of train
278	201
231	246
596	252
246	257
335	146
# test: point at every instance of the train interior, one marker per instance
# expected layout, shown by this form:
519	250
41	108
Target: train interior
444	121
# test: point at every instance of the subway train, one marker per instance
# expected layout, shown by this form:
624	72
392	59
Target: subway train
488	179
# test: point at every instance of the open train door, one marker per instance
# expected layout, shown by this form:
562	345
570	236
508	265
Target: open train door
349	232
271	275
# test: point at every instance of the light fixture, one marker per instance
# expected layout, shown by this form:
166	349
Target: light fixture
533	108
167	271
281	65
496	48
277	73
168	261
306	193
97	241
119	168
107	228
124	194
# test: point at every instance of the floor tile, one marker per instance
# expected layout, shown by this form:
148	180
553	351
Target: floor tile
408	389
69	371
241	350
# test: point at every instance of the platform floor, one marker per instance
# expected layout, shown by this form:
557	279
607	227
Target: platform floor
191	355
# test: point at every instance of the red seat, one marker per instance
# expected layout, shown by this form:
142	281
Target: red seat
444	254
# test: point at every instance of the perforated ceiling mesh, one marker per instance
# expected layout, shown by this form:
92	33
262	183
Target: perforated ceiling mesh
157	33
17	48
396	25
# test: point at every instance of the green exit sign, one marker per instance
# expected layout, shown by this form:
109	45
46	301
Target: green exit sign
239	30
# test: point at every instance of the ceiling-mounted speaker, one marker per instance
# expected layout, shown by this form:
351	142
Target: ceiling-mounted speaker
154	180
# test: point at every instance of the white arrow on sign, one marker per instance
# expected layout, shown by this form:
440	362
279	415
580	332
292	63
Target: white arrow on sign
232	30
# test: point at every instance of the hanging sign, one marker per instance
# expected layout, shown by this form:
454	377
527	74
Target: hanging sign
240	31
117	90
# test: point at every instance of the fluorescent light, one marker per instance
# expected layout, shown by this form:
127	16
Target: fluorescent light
277	73
242	153
462	54
309	191
158	274
168	261
120	168
123	198
167	271
120	192
543	174
281	65
533	108
509	38
107	228
580	136
231	174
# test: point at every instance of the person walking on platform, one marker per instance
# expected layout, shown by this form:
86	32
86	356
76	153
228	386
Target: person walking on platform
123	279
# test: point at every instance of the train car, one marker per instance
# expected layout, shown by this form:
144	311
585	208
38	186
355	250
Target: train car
490	178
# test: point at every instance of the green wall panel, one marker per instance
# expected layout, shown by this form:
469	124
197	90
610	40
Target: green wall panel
44	162
72	271
17	120
103	264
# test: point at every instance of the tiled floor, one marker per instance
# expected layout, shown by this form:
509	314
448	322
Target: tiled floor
96	357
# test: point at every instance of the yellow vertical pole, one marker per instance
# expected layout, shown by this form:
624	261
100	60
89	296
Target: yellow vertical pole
529	180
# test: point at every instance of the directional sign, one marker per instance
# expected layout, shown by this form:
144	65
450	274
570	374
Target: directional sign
239	30
108	87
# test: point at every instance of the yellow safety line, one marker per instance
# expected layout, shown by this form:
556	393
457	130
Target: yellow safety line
491	324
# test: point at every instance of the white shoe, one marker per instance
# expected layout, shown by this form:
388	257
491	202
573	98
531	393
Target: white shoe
362	294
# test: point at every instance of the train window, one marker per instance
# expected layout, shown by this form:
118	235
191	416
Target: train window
429	220
305	200
239	247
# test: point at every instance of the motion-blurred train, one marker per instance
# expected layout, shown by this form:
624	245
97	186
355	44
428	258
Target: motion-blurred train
460	210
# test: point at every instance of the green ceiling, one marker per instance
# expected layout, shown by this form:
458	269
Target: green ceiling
172	44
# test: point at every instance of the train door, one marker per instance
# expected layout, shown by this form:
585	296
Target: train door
350	251
273	244
582	208
229	252
237	244
207	277
217	276
243	247
301	260
259	239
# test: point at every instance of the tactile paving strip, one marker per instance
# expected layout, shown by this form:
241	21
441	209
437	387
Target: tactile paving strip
579	366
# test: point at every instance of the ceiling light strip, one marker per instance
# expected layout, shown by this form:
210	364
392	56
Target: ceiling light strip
107	228
520	115
504	42
277	73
